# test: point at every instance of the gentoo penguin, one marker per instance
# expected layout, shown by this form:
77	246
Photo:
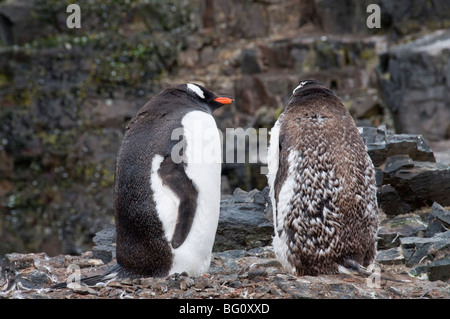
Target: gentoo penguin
322	186
167	186
167	210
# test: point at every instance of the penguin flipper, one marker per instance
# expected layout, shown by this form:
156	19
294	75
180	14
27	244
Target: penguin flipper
174	176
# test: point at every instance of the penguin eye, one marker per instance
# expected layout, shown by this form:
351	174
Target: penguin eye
196	89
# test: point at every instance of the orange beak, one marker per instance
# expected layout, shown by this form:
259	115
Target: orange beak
223	100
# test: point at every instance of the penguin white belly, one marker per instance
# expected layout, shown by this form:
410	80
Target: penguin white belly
287	192
282	207
273	155
203	158
165	199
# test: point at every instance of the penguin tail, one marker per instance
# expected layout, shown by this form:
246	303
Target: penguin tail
351	267
110	274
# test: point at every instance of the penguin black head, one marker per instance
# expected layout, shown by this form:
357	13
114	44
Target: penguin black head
311	94
307	84
201	94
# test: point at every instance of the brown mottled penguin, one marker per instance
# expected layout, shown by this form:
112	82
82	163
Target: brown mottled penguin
322	186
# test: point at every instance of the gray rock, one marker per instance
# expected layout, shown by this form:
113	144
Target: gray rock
392	229
81	289
396	162
420	271
241	196
377	152
438	220
372	135
262	89
422	184
381	144
106	237
105	253
414	82
413	145
391	256
439	269
442	214
390	202
366	106
243	221
104	247
227	260
20	24
418	250
407	174
251	61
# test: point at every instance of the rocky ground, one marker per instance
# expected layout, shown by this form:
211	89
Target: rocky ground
243	274
413	249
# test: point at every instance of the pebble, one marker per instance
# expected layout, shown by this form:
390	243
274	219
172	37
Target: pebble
81	289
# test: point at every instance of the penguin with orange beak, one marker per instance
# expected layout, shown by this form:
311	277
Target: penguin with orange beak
166	210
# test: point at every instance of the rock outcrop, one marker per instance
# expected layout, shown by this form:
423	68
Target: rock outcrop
414	81
408	177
